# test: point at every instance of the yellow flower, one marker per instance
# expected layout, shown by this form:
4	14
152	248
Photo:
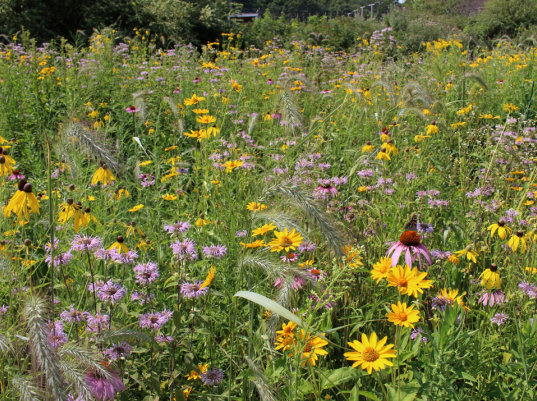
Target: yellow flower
408	281
256	207
432	129
501	228
5	168
470	255
510	107
382	155
285	240
367	147
119	245
458	125
104	175
256	244
120	192
426	112
288	330
381	269
136	208
19	202
206	119
454	259
146	163
209	279
403	315
464	110
533	270
199	135
232	165
518	240
170	148
73	210
194	100
312	348
450	296
169	197
201	222
490	278
371	354
419	138
236	85
352	259
268	116
200	111
263	230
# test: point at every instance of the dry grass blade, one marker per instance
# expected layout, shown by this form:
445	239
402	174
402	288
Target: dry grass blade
35	313
5	345
86	358
91	142
273	269
180	123
261	382
139	100
290	112
251	123
279	218
309	205
76	378
26	388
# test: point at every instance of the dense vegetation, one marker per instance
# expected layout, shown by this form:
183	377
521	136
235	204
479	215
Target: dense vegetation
286	222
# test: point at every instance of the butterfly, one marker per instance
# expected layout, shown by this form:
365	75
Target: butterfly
412	224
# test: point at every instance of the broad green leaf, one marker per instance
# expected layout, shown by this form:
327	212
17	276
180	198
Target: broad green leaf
339	376
269	304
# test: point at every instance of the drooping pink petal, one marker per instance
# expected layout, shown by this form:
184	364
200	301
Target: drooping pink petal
408	257
398	250
425	252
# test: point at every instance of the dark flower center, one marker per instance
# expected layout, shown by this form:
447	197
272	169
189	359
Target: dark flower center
410	238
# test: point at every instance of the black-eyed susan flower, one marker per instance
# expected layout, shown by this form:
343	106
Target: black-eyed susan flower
209	279
312	348
132	229
490	278
202	221
206	119
370	353
367	147
285	240
232	165
502	229
509	107
268	117
198	134
118	193
69	210
169	197
470	255
518	241
256	206
5	168
119	245
390	147
19	202
381	269
419	138
193	100
432	129
383	155
103	175
403	315
235	85
407	281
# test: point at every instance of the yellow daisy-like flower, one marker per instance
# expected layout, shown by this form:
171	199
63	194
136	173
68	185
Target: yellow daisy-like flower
119	245
199	134
206	119
256	207
236	85
19	202
201	111
118	193
285	240
517	241
132	229
502	229
490	278
256	244
451	296
285	343
193	100
202	222
264	229
352	258
104	175
410	282
312	349
5	168
170	148
368	147
455	260
169	197
390	148
403	315
232	165
470	255
510	107
381	269
146	163
136	208
74	210
533	270
209	279
419	138
383	155
288	330
370	353
431	129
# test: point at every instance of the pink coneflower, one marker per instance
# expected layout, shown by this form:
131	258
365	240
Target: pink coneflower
276	116
270	81
496	297
196	80
409	242
16	175
325	189
132	109
297	284
290	257
104	388
176	90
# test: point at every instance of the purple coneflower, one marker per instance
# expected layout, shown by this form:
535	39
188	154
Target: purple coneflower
215	251
132	109
212	377
297	284
111	292
500	318
16	175
290	257
146	273
86	243
104	388
325	189
179	227
153	320
118	351
190	290
495	297
409	242
185	249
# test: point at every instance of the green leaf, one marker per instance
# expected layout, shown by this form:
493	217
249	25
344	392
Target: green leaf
366	394
269	304
339	376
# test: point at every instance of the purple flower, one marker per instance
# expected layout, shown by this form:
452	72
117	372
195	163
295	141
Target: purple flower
122	350
164	339
491	298
409	243
193	290
240	234
215	251
179	227
141	297
529	289
212	377
126	258
297	284
184	249
441	303
55	334
290	257
442	255
153	320
73	315
96	323
111	292
132	109
104	254
86	243
146	273
307	247
500	318
104	388
16	176
323	190
415	333
3	310
328	305
61	259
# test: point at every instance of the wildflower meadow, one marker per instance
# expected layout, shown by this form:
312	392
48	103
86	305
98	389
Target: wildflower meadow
291	222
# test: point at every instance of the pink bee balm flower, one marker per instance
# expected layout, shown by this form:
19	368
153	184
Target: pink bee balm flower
409	243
